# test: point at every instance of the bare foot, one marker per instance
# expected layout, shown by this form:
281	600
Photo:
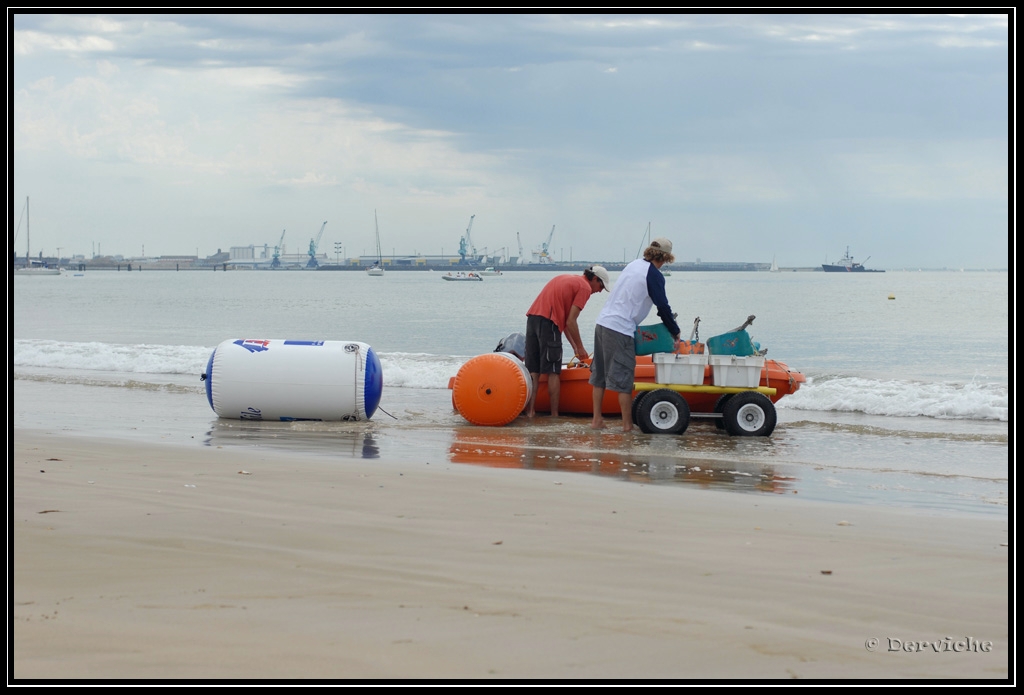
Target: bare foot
597	425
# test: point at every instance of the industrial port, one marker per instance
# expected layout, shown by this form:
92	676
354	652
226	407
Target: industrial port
312	256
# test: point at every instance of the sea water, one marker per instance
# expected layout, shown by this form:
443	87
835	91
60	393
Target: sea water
906	402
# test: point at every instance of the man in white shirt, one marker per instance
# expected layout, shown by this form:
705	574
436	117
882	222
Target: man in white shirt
640	286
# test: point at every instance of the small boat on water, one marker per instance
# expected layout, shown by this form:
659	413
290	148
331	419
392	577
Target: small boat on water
490	271
32	269
377	269
36	271
462	277
846	264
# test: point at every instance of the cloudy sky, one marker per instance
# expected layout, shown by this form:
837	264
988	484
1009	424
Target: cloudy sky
739	137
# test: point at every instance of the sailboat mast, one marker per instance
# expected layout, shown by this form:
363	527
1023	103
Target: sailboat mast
644	240
376	232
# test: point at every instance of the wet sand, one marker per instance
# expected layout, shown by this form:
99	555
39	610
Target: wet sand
154	561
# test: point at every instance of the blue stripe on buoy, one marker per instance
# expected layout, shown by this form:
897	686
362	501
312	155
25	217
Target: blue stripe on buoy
209	379
374	384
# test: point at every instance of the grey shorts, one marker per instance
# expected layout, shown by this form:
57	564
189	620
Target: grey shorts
614	363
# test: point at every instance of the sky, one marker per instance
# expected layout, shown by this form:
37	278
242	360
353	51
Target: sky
738	137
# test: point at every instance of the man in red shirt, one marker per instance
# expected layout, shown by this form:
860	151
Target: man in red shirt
553	312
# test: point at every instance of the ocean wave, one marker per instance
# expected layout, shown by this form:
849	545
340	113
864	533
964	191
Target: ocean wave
107	357
419	371
941	400
407	370
974	400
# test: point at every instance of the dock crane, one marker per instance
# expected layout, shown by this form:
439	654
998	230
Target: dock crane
313	245
543	256
278	250
466	244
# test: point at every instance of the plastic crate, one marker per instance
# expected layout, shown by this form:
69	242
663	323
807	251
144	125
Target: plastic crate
670	368
730	370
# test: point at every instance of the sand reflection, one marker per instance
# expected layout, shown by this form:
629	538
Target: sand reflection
349	440
634	457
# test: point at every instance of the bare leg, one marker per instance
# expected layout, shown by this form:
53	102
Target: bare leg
598	422
530	412
625	405
554	388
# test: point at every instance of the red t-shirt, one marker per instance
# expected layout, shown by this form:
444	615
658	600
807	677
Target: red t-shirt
559	296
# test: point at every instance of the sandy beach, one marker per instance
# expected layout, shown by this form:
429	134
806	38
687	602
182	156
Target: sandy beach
152	561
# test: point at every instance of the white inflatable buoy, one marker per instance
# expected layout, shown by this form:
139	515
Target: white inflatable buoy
289	380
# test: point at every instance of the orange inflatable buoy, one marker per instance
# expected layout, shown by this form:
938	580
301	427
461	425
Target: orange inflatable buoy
492	389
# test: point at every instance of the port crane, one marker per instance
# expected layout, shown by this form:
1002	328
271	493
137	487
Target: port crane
543	256
278	250
466	244
313	245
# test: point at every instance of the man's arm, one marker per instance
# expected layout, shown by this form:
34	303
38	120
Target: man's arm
656	291
572	332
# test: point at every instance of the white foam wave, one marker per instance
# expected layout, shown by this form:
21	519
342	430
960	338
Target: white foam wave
106	357
974	400
408	370
419	371
942	400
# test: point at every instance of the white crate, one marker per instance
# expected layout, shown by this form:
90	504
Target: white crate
730	370
670	368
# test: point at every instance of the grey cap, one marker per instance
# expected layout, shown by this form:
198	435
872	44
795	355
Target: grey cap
663	244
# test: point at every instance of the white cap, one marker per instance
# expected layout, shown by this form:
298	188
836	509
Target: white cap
602	275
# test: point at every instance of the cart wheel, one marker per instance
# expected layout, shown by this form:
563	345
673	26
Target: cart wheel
663	412
636	404
719	406
749	414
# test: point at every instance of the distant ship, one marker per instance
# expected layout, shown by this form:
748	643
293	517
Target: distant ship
846	264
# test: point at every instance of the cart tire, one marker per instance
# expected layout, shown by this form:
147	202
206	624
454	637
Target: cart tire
749	414
719	406
636	405
663	412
